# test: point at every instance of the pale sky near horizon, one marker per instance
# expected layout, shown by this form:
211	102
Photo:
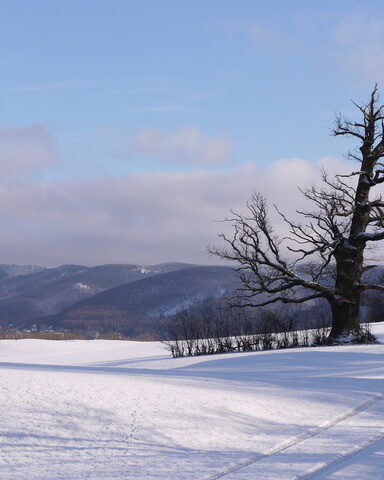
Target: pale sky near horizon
128	127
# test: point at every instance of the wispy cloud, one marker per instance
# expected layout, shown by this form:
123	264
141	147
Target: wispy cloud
36	88
187	103
84	86
266	37
201	97
359	42
184	145
271	38
7	61
162	108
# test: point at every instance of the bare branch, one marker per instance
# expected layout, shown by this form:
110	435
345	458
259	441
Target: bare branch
284	300
329	239
372	287
371	237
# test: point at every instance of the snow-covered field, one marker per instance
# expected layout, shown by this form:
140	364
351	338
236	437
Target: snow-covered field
125	410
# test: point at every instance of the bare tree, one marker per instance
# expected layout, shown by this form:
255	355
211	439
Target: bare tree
330	241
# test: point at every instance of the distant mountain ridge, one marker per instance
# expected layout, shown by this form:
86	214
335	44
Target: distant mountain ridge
8	271
135	307
127	298
124	296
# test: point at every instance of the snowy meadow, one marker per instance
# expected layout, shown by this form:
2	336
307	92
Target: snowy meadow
126	410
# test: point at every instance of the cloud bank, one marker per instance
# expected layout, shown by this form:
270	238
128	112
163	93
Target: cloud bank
139	218
25	150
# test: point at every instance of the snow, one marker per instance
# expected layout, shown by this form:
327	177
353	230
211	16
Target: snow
143	269
82	286
103	409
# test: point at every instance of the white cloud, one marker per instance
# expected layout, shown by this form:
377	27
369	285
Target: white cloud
141	218
185	145
25	150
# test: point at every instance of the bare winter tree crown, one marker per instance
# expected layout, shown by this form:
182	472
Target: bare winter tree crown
346	214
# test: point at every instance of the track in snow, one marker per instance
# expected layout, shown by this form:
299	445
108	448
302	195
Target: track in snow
321	468
245	462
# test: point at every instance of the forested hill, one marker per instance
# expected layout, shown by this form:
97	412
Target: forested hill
106	297
127	298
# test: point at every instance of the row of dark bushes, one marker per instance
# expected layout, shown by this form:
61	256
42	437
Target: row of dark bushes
210	328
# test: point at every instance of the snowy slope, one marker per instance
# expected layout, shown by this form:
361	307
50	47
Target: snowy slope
125	410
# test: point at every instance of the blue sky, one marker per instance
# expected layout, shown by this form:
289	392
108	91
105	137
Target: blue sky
150	92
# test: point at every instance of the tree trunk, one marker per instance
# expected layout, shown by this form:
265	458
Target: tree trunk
345	318
346	306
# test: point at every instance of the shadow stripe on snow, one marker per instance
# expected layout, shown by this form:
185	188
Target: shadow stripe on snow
323	467
245	462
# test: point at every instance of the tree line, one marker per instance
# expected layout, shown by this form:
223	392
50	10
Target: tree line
210	328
